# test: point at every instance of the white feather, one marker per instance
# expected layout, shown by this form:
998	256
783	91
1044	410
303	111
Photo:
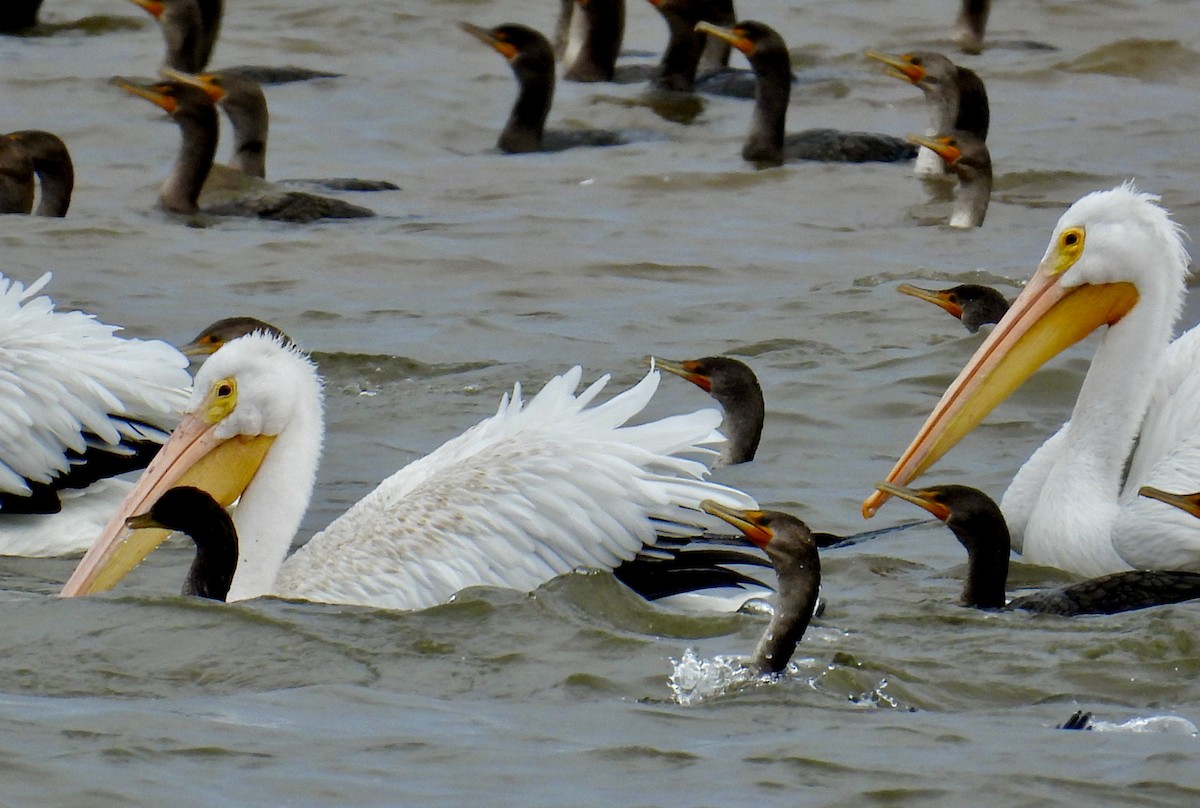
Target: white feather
62	375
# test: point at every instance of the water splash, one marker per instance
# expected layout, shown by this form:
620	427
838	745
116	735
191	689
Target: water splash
694	679
1159	724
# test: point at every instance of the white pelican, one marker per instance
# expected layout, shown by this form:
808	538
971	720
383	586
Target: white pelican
537	490
78	404
1115	258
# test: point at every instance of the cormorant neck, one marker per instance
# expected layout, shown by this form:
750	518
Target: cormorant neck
16	178
764	144
198	129
216	555
973	113
799	581
677	70
54	169
182	29
250	120
987	566
604	28
742	426
971	202
523	132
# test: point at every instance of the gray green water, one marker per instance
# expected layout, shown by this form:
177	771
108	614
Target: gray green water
484	270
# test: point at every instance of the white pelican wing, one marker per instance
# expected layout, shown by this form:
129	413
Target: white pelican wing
1149	533
533	492
70	388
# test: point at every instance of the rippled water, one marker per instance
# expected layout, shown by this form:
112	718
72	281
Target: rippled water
486	269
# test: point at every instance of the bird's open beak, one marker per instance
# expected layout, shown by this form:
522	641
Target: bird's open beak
940	299
745	521
943	147
1189	503
920	498
899	67
505	49
1043	321
193	455
732	36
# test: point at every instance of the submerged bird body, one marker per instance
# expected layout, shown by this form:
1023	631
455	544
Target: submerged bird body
532	61
789	544
767	145
955	99
195	182
192	511
972	303
538	490
967	156
734	385
1115	259
80	406
979	526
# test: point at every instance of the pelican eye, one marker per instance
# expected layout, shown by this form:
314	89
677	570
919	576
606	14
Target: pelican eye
1070	247
222	400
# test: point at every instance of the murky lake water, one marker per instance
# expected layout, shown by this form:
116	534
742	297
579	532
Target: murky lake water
487	269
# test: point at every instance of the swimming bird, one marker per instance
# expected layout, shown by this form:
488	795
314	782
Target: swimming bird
766	145
245	105
189	28
979	526
537	490
968	157
213	337
793	553
972	303
532	61
734	385
80	405
1115	258
694	61
955	98
232	193
192	511
51	163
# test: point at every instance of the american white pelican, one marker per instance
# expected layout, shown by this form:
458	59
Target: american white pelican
78	404
537	490
1115	259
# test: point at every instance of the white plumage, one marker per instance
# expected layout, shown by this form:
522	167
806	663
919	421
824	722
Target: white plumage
1115	258
539	489
70	387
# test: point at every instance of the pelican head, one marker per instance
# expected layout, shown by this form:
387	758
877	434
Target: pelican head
1116	259
254	419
